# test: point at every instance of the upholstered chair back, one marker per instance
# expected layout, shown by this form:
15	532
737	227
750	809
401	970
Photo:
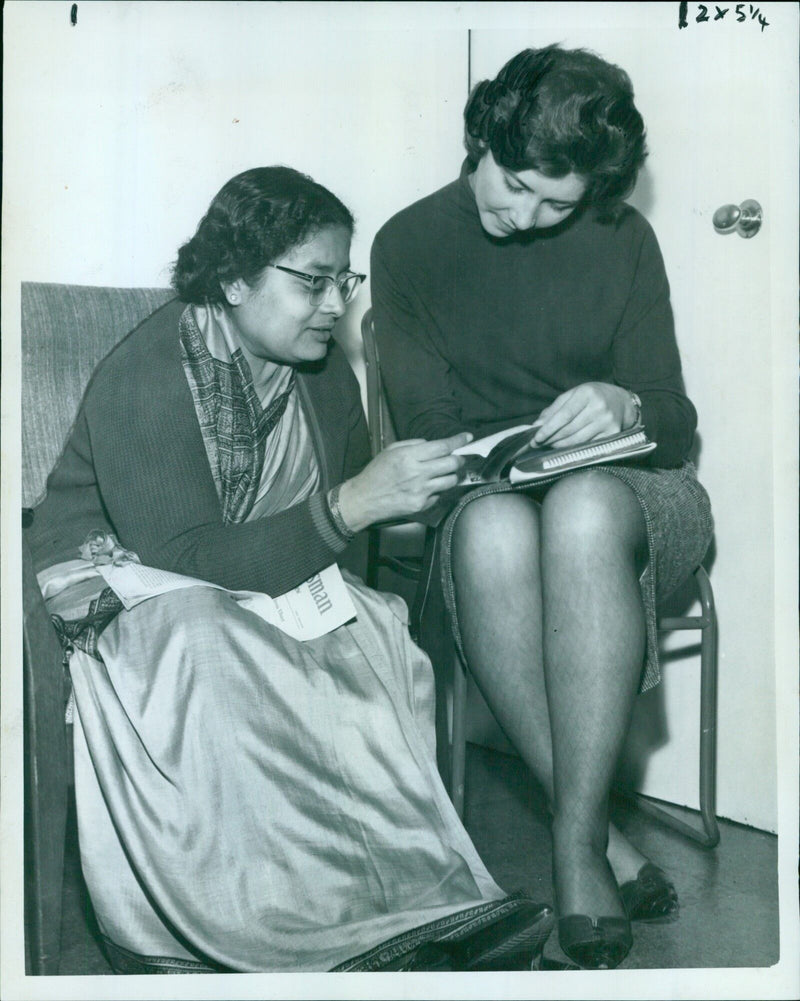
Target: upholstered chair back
66	330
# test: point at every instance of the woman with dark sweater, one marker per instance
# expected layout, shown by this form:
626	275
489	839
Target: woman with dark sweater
251	800
527	291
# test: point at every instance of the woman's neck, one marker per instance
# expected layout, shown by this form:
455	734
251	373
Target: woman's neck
263	370
219	333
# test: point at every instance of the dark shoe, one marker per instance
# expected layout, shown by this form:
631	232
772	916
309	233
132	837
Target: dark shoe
650	897
595	943
514	942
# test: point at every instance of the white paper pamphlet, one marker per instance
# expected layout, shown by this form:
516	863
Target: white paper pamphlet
317	606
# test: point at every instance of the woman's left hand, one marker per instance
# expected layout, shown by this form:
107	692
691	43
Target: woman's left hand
591	410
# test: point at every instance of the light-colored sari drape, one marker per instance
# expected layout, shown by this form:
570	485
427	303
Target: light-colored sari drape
265	803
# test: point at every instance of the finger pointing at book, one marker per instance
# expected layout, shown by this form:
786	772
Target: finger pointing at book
588	411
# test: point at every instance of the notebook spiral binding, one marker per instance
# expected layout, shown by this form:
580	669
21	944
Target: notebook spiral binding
591	451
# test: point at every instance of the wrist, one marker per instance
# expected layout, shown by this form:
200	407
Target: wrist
349	508
342	526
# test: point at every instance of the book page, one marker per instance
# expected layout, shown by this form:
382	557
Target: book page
483	446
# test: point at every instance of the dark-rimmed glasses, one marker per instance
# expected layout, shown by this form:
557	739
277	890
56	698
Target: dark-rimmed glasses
319	286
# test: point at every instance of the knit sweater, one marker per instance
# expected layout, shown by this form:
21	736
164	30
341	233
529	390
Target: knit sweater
479	333
135	464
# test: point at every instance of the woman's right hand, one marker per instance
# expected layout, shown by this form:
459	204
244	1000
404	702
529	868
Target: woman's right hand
405	478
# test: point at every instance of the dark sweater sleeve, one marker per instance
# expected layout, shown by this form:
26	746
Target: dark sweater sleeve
646	359
157	489
416	375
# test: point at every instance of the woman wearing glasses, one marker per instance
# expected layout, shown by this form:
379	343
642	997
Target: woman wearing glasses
527	290
248	801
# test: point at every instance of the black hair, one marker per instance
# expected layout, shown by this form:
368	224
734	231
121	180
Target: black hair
254	219
560	111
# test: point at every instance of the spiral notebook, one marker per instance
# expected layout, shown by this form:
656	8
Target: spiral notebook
510	455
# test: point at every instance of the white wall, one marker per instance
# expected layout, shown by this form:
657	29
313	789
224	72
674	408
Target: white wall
117	133
126	125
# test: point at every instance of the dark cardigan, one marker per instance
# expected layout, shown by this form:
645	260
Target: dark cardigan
478	333
135	464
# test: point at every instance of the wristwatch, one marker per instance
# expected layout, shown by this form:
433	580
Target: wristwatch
638	405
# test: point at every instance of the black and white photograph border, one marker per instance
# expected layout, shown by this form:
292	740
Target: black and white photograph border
120	121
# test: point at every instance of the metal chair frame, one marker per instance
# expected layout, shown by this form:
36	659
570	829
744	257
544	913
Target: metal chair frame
416	568
381	434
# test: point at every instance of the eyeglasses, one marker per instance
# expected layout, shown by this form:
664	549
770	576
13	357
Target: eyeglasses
319	286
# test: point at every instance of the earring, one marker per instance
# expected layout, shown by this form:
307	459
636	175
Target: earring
233	299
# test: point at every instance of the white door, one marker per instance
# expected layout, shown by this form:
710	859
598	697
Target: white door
718	98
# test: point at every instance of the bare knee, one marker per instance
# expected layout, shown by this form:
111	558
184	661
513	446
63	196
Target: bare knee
497	531
591	510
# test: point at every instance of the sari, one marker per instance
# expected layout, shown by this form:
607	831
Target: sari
248	801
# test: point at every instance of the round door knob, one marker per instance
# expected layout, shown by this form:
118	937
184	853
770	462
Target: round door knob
744	219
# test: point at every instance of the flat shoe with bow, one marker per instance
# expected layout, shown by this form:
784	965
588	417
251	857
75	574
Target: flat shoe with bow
650	897
595	943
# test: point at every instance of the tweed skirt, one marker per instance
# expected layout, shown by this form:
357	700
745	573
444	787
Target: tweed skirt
677	513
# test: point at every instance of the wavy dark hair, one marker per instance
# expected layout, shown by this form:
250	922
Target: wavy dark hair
559	111
254	219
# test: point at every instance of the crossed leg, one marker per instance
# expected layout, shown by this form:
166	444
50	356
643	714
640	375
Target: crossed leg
553	629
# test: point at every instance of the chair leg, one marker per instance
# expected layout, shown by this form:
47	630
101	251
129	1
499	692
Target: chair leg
458	743
708	711
708	837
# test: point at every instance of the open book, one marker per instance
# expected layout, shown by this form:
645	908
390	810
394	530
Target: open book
510	455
